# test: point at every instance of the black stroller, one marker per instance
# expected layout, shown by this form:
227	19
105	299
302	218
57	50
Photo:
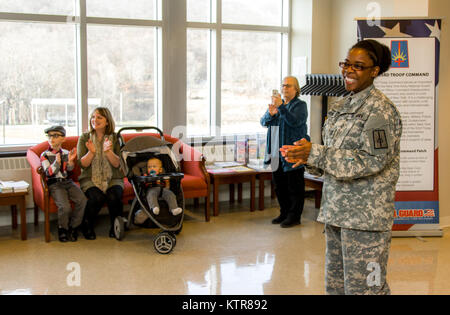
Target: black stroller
133	158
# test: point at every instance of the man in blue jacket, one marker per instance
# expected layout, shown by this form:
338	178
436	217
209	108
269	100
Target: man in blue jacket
286	122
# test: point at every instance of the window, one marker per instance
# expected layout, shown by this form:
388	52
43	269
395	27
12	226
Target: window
209	65
38	6
46	54
251	66
236	55
130	9
198	10
37	86
198	98
121	73
256	12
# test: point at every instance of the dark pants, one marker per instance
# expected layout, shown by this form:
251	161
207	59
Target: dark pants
290	191
96	200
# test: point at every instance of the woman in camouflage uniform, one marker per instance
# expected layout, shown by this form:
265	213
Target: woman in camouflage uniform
359	162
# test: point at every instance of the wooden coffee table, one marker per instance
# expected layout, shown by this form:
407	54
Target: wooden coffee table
261	177
13	199
316	183
232	178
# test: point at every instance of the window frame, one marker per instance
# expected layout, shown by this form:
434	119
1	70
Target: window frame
215	26
170	22
80	20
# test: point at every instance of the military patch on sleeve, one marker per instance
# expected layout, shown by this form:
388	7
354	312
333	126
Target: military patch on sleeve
379	139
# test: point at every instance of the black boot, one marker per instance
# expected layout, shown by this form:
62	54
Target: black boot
290	221
73	234
63	235
88	231
279	219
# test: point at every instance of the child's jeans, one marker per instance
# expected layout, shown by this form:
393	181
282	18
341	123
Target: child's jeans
62	192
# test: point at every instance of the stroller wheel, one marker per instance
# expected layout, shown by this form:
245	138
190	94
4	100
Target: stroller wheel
174	238
119	228
164	242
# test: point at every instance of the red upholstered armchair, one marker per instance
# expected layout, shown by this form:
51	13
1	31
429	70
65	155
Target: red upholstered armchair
195	183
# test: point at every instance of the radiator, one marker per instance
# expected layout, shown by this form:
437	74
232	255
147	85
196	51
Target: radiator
17	168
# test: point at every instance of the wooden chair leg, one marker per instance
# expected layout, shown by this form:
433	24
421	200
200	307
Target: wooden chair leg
317	198
207	209
14	216
47	226
36	215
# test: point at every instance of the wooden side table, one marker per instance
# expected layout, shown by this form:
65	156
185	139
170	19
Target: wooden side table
262	176
218	179
13	199
315	183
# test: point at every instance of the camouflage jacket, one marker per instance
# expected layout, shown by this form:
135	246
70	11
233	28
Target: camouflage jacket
360	162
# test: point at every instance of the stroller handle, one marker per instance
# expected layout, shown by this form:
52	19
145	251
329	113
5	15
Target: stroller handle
140	129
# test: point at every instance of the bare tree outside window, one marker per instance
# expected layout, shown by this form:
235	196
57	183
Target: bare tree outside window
129	9
63	7
256	12
198	10
251	66
37	61
121	72
42	63
251	63
198	100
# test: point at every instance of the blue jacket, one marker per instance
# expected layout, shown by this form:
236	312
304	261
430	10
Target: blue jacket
290	126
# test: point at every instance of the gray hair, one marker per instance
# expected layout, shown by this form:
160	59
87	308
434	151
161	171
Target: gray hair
296	84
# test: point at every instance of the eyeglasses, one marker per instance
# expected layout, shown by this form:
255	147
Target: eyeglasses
355	67
54	135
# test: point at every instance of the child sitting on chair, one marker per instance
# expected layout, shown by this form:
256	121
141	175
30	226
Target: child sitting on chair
57	162
154	167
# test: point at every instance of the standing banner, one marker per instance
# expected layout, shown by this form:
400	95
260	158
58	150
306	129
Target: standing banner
412	85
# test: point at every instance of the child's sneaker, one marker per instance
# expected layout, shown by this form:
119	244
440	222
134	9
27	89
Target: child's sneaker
155	210
176	211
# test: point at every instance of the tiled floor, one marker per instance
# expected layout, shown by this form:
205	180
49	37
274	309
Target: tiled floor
238	252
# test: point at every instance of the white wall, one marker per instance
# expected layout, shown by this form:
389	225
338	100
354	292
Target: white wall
311	24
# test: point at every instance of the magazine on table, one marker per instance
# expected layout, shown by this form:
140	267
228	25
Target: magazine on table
13	186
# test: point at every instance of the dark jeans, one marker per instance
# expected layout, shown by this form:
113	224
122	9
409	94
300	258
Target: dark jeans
96	200
290	191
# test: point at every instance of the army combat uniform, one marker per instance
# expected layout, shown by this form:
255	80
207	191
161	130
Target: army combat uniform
360	163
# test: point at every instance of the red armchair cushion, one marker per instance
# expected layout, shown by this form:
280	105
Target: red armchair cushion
194	183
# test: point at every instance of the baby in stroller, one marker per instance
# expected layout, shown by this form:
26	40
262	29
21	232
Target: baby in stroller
155	167
151	166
